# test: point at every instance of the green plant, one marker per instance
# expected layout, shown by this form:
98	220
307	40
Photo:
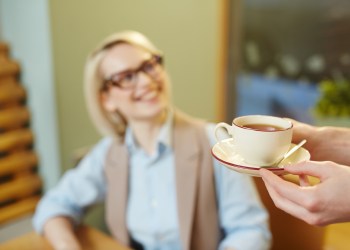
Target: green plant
334	99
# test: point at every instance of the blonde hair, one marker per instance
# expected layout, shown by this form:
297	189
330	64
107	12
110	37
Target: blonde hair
107	123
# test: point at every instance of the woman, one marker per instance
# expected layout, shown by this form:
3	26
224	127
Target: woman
153	168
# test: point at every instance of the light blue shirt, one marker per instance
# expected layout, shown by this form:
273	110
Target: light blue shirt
152	216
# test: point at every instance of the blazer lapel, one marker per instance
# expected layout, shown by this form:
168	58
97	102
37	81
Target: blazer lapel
117	176
186	151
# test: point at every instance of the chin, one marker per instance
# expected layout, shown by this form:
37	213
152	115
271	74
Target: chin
151	113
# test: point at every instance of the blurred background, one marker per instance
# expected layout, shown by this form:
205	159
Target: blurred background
51	40
292	59
225	58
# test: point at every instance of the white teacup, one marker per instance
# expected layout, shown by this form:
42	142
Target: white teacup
260	139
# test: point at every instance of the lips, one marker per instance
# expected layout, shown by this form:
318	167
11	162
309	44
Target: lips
148	95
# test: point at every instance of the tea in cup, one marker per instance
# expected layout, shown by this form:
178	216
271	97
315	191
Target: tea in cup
259	139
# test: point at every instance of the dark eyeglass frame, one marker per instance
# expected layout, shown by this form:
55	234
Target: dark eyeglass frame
118	79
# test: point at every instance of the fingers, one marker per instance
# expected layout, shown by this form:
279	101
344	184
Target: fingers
317	169
304	181
298	131
282	202
281	188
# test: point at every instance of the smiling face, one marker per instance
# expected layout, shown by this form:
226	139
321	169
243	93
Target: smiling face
148	97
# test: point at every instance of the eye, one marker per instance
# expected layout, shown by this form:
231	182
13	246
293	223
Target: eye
148	67
123	79
127	77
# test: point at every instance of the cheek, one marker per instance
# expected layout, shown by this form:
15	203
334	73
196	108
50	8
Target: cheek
114	100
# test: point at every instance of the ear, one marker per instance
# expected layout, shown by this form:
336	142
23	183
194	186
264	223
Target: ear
108	102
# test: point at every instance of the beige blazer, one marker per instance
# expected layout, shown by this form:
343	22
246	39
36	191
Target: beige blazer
195	187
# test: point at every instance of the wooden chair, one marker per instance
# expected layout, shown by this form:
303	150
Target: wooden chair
20	184
288	232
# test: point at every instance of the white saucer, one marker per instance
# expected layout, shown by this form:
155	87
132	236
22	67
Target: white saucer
225	152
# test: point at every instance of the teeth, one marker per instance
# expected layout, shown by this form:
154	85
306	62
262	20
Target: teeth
149	95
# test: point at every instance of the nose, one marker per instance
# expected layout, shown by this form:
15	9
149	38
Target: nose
143	78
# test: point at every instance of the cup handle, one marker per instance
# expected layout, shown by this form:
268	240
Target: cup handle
225	126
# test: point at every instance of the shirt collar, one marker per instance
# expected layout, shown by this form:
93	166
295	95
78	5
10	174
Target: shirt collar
164	138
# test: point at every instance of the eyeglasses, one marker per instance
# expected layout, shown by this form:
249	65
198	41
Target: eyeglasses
129	78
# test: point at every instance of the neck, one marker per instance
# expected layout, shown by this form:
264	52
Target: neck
146	131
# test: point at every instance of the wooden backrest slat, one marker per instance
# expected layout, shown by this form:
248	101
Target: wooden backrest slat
16	139
23	186
11	91
17	162
9	79
20	208
4	49
14	117
20	183
8	67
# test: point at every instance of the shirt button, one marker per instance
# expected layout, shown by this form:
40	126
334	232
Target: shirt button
154	203
160	237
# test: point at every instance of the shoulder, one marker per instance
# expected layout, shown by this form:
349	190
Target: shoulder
182	118
95	152
195	123
101	146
